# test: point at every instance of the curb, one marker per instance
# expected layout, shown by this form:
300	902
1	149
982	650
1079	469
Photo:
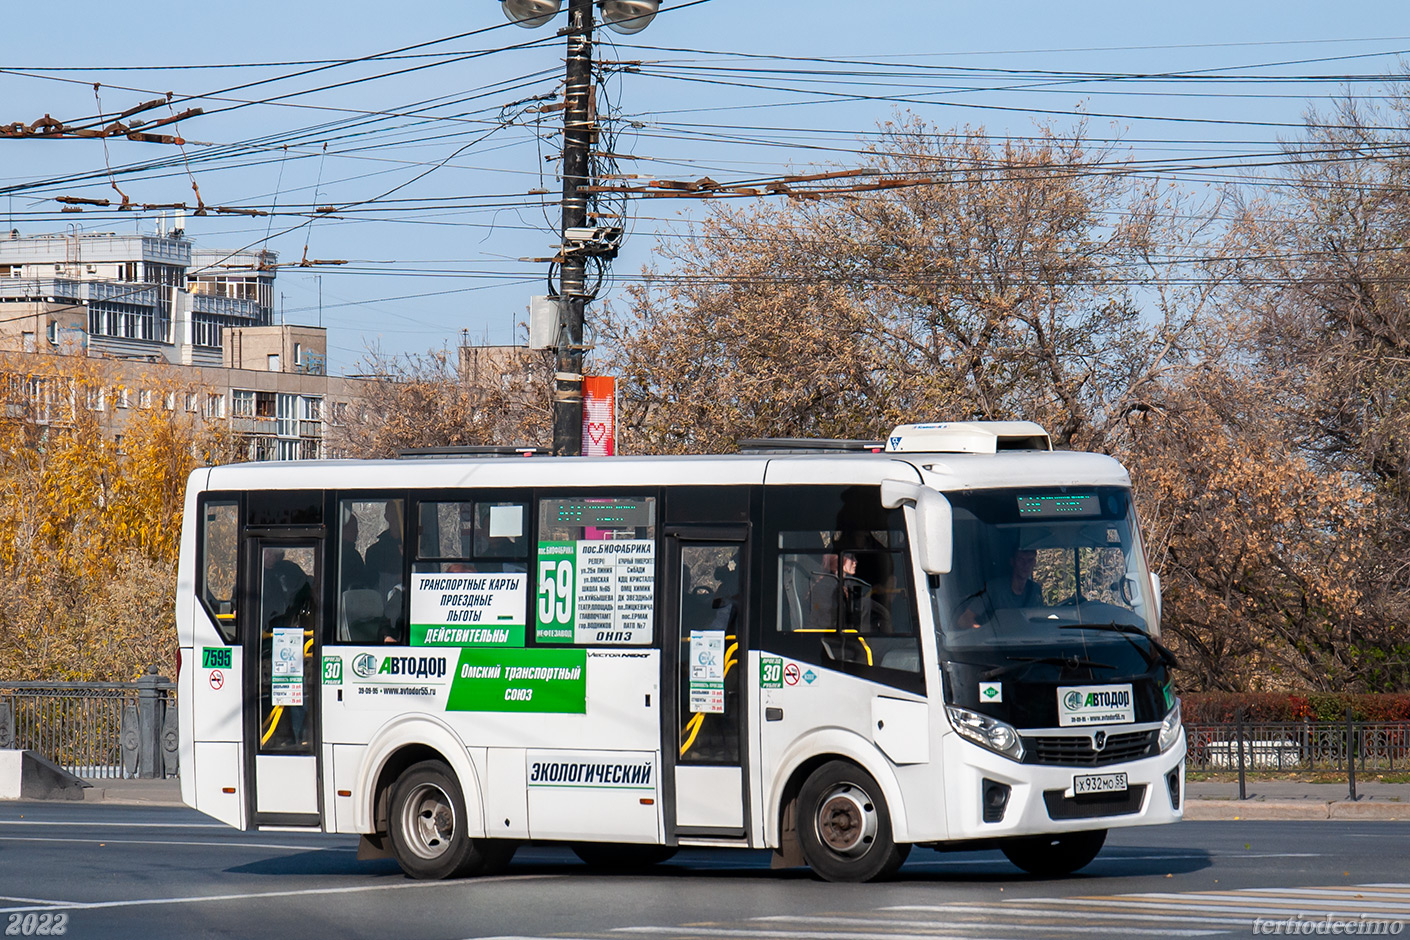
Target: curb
1293	809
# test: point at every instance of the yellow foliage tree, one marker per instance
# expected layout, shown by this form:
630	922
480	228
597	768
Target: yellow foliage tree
90	517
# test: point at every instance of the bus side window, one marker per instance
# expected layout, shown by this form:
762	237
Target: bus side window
473	531
845	597
219	549
370	562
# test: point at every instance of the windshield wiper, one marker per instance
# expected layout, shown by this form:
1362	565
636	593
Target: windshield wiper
1023	662
1128	631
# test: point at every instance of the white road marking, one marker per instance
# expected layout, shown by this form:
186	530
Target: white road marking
1149	914
1018	907
229	845
694	931
115	825
1201	856
262	895
1231	905
1287	895
863	920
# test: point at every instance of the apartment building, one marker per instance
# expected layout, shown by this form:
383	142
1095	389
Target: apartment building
168	315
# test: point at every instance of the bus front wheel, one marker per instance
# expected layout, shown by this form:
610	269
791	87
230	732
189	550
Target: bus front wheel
1055	855
428	827
844	827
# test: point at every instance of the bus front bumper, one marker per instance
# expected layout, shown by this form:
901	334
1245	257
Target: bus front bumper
994	797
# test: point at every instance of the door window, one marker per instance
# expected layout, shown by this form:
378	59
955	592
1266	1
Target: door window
711	611
288	621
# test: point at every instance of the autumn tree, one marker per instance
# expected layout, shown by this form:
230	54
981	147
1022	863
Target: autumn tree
1327	305
1263	555
1259	409
974	279
90	518
478	396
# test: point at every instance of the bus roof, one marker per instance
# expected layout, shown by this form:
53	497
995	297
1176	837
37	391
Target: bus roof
947	471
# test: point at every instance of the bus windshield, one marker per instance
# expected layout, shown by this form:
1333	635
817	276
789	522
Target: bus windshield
1053	570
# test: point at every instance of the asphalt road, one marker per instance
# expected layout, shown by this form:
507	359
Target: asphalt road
109	871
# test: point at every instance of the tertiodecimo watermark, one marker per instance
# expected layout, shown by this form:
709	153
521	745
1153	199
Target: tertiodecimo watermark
1332	925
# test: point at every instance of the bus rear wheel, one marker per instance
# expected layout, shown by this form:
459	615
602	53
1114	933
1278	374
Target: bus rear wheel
622	857
1056	855
844	827
428	827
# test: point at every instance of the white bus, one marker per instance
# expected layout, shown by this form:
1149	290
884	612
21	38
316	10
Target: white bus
947	640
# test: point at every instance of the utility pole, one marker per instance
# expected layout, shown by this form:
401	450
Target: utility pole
578	239
578	129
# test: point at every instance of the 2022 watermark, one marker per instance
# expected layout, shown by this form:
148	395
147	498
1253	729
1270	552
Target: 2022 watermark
37	924
1330	925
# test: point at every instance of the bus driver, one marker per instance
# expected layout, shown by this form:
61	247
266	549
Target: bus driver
1017	590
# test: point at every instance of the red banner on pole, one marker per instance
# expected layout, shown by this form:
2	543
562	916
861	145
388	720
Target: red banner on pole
599	416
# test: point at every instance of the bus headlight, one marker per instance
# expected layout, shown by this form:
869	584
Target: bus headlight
1170	729
987	732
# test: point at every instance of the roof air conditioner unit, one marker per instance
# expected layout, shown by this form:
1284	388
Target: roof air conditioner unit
967	437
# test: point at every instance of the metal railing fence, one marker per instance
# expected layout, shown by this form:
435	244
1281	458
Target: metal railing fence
1376	747
94	729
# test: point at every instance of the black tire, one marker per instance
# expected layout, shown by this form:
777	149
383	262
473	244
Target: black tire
427	823
622	857
844	826
1057	855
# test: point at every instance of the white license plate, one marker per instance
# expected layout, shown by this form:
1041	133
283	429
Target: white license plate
1099	783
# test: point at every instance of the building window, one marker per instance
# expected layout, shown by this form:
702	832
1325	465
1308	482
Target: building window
192	401
205	331
215	405
288	417
169	401
273	362
126	321
144	398
120	397
242	403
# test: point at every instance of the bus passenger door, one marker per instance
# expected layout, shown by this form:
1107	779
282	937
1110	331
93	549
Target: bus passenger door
281	704
704	664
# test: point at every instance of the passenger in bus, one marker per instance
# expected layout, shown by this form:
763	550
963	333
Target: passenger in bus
353	569
286	588
1016	589
838	581
385	561
384	556
725	604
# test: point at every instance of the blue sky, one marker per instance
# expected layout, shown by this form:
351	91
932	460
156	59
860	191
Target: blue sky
727	89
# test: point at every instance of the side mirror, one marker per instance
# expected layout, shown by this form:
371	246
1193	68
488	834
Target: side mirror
1155	588
931	519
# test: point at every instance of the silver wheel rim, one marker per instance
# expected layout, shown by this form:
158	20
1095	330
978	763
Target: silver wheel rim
846	820
428	819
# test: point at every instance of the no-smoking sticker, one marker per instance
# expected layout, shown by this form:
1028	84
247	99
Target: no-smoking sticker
218	679
790	674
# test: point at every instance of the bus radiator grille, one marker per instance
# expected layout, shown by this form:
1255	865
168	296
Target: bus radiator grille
1076	750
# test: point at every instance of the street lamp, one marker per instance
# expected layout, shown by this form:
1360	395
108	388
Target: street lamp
629	16
579	129
624	16
531	13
